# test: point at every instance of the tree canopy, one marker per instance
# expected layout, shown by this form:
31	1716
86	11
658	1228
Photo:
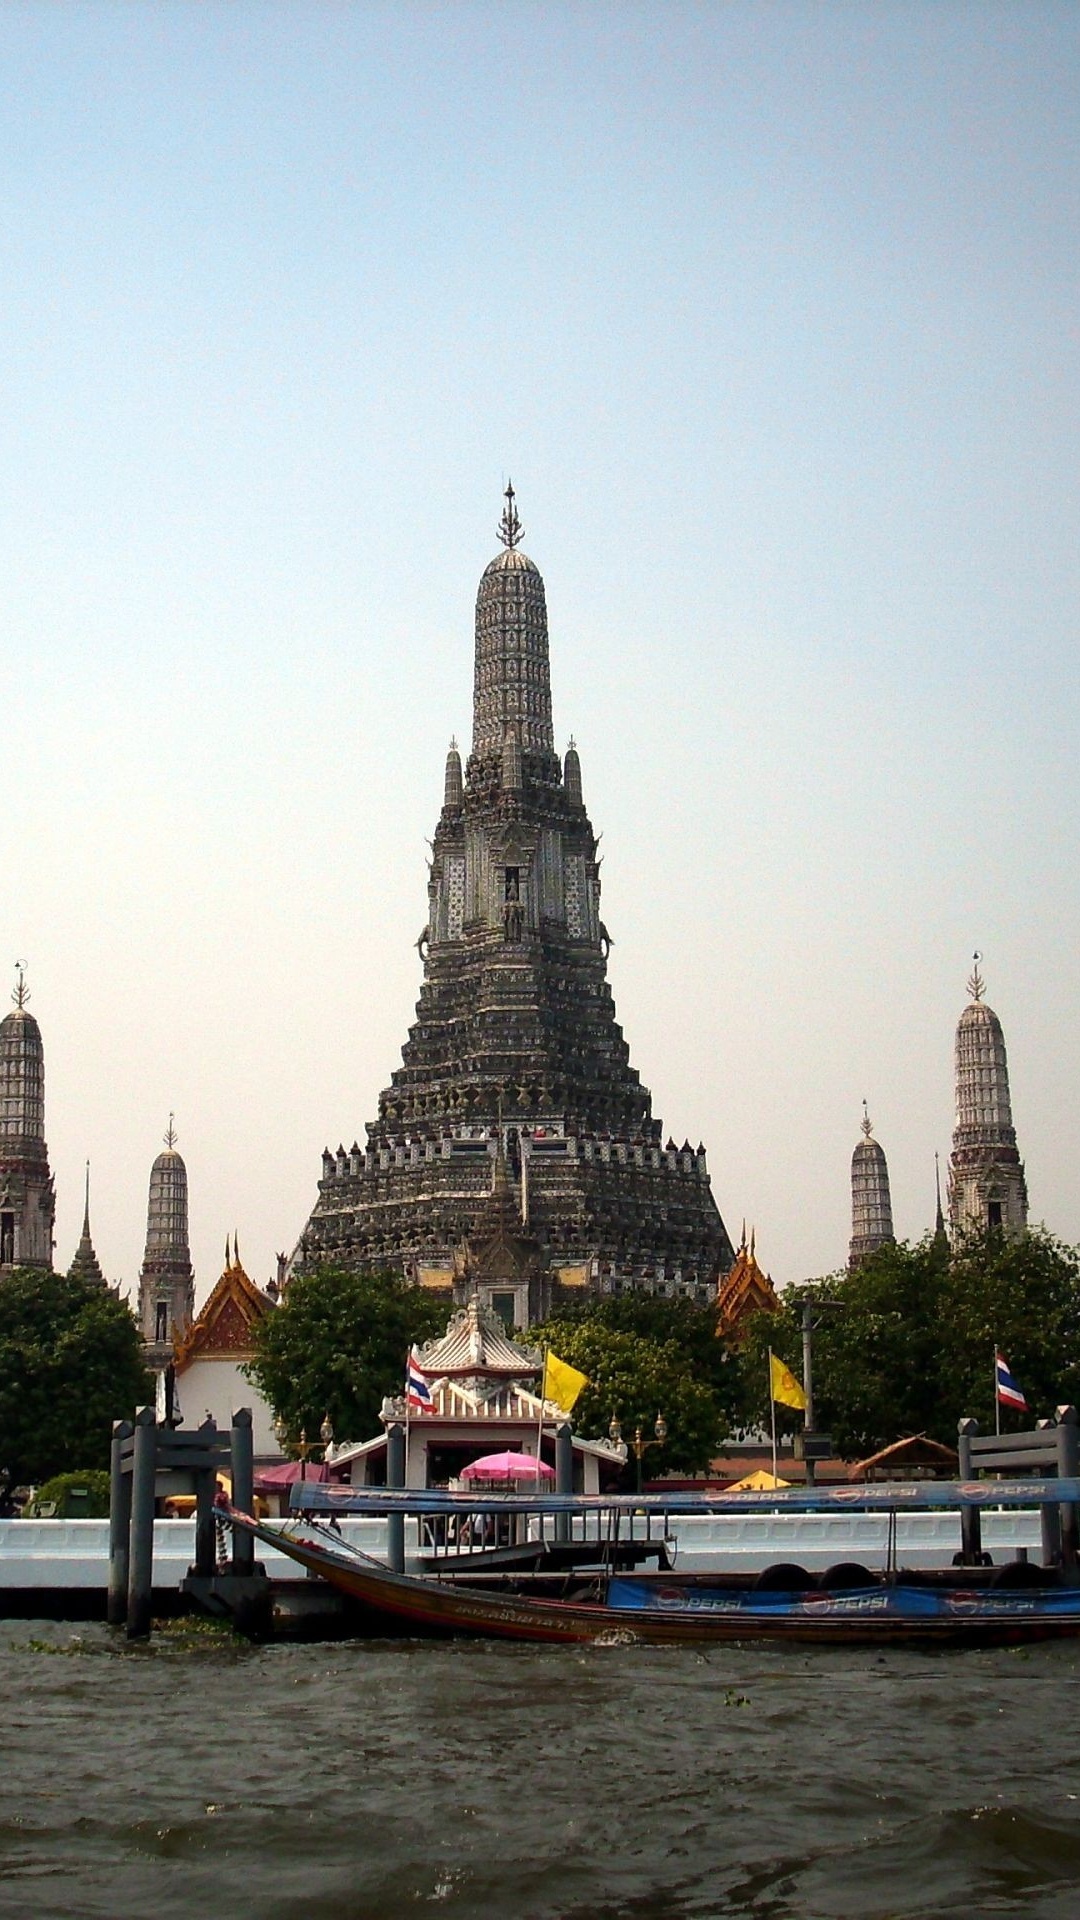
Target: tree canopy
646	1355
337	1345
905	1342
70	1364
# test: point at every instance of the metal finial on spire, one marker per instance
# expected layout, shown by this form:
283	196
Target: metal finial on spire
236	1248
453	743
510	529
86	1209
976	986
22	992
866	1122
171	1133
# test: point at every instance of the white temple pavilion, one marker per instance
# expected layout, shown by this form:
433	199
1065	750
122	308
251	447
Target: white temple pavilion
483	1401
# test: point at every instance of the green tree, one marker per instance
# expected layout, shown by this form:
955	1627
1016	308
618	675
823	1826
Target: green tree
337	1345
91	1489
70	1364
1023	1296
634	1377
904	1343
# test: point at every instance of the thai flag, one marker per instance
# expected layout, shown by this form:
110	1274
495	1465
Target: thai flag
417	1392
1009	1391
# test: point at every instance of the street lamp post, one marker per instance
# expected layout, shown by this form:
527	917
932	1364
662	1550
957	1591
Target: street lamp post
639	1446
304	1445
809	1308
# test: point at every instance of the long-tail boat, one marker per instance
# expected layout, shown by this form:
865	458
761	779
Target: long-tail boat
573	1568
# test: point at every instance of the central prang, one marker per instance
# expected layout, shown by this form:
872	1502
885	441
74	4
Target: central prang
515	1051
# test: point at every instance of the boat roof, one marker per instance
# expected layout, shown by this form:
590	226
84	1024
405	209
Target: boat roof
865	1498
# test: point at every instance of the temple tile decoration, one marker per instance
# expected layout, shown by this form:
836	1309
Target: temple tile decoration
744	1290
500	1262
27	1195
515	1048
987	1187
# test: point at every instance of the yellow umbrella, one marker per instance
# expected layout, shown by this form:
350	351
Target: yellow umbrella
757	1482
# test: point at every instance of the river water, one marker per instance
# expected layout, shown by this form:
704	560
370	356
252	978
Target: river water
365	1780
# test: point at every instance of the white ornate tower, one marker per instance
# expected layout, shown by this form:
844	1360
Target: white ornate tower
871	1201
987	1187
27	1199
166	1282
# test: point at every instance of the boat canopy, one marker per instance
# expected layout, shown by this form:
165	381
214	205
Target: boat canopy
901	1496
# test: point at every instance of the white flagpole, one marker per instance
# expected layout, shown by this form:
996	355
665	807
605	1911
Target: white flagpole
540	1432
540	1422
772	1415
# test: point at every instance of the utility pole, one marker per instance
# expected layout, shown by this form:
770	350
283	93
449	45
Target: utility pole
809	1466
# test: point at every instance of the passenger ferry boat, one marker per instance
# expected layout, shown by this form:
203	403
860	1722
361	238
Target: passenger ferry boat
564	1567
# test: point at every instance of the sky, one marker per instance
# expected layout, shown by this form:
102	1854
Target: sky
771	313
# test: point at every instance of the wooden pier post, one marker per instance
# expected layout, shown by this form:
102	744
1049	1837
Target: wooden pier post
205	1489
395	1477
119	1526
1068	1463
243	1489
564	1474
141	1548
1050	1517
970	1517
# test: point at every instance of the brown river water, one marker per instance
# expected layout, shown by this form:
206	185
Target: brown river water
366	1780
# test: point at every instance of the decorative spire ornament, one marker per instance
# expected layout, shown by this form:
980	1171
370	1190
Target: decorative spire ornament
510	530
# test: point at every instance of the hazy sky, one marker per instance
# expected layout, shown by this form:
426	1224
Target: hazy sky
771	312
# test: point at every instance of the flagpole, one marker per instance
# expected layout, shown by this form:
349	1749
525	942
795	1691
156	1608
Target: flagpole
997	1402
772	1416
540	1422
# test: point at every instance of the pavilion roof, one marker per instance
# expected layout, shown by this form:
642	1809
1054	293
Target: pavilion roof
224	1328
743	1290
915	1450
476	1345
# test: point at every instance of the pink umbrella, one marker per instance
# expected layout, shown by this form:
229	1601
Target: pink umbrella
507	1466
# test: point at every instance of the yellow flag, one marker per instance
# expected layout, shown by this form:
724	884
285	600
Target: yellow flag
783	1385
562	1382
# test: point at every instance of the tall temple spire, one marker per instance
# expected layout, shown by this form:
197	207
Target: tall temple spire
941	1238
453	791
986	1187
27	1198
512	676
516	1012
86	1265
871	1200
166	1284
